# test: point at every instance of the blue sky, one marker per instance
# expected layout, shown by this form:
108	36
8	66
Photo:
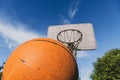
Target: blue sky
21	20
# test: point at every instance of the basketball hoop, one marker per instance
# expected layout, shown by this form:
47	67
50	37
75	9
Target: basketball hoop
71	38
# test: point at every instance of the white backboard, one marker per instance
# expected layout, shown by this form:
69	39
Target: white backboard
88	39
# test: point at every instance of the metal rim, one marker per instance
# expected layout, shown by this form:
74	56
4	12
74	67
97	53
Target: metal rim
63	31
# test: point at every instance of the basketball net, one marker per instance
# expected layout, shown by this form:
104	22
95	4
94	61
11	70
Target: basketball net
71	38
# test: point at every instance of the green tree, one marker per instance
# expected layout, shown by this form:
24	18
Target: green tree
108	66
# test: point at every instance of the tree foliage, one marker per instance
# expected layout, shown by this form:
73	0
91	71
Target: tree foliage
108	66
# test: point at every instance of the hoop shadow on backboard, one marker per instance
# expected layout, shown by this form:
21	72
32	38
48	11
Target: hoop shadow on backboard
75	36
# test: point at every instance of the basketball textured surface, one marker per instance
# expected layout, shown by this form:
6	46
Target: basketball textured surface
41	59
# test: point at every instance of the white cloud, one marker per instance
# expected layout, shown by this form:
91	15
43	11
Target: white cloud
81	54
65	20
85	73
73	9
15	33
71	12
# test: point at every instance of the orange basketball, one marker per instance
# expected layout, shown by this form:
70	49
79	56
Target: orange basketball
41	59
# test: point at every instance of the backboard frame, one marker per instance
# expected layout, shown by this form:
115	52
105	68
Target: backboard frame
88	41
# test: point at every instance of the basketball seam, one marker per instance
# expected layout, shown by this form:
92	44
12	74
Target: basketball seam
54	43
